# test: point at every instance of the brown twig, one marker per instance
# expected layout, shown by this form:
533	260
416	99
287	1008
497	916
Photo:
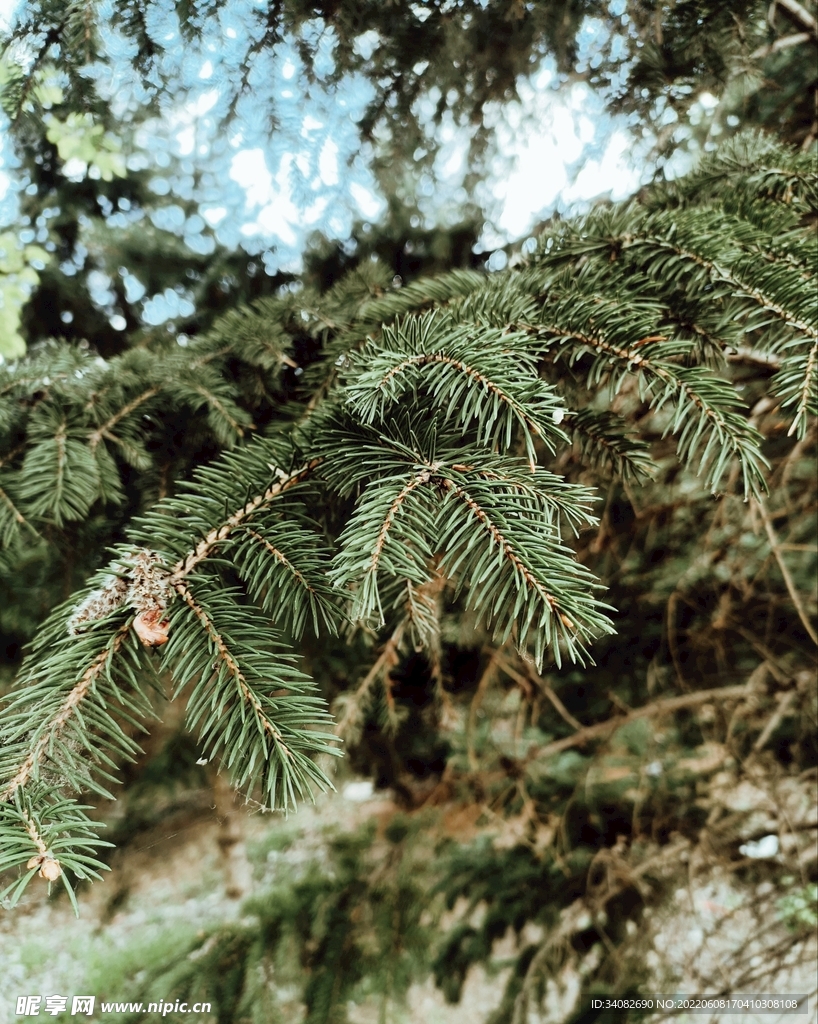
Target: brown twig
654	710
387	659
64	714
785	572
784	704
799	14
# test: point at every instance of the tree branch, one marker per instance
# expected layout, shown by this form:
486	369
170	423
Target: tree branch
206	546
233	667
785	572
67	709
654	710
511	556
784	43
104	430
799	14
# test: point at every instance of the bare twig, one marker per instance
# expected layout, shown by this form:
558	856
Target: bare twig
654	710
784	704
784	43
386	660
578	916
483	685
785	572
799	14
557	704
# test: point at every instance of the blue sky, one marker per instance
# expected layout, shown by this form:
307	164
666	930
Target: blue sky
268	191
555	147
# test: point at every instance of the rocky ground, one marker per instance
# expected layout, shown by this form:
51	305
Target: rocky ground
196	866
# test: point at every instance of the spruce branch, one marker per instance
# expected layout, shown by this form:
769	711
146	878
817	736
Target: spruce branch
408	483
476	376
59	738
257	714
519	576
796	383
287	576
211	541
105	429
41	835
704	419
11	520
604	442
388	533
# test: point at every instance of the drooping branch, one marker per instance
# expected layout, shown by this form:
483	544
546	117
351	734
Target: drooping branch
67	710
225	656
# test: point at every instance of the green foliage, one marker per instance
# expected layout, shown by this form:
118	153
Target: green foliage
542	539
335	931
799	909
78	138
430	468
17	278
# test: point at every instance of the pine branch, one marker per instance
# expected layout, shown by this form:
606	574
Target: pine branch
408	456
604	442
713	434
519	576
796	383
56	740
259	717
290	587
105	429
46	837
476	377
388	533
211	541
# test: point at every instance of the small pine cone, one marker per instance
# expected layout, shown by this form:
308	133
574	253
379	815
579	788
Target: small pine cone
50	869
98	604
151	628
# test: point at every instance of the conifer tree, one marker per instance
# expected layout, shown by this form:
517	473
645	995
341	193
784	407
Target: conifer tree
425	463
545	531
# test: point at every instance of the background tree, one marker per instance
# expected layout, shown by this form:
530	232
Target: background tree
405	497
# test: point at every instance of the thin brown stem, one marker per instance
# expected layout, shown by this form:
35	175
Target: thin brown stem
66	711
785	572
655	710
386	660
105	429
800	14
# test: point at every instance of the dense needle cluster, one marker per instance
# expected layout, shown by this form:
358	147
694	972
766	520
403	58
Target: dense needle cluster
446	450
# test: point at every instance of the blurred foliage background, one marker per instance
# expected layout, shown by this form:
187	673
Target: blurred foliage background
529	838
